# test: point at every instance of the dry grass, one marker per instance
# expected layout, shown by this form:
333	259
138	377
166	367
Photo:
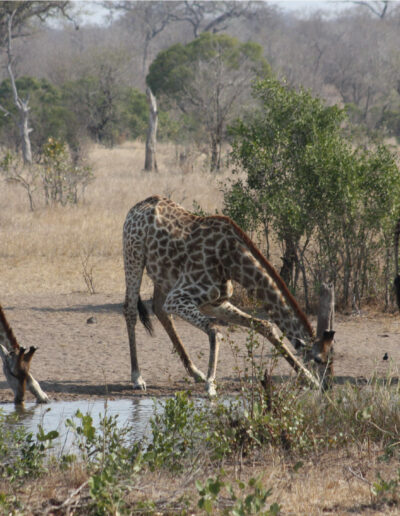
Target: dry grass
335	483
41	252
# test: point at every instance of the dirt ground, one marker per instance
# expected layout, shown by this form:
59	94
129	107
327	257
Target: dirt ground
81	359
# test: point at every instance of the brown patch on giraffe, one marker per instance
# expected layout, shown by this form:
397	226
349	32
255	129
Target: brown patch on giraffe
9	333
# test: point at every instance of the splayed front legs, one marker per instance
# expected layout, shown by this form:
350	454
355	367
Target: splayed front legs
232	315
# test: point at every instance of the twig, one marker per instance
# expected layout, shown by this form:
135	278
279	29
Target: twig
69	499
359	476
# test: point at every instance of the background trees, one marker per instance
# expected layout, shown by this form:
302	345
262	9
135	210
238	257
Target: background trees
331	204
207	80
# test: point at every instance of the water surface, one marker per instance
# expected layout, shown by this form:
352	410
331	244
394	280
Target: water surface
132	413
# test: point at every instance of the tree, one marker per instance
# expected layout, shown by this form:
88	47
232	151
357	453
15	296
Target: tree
14	18
149	18
206	81
308	184
47	112
377	7
150	163
278	149
209	16
152	18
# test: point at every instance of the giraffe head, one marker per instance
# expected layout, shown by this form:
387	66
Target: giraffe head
16	364
322	349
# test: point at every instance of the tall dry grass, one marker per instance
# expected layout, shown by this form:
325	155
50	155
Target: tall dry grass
42	251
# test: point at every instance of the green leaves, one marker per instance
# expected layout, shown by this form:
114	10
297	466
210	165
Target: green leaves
251	503
305	180
206	82
176	432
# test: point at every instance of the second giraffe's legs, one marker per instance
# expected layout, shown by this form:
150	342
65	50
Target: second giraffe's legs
167	322
230	314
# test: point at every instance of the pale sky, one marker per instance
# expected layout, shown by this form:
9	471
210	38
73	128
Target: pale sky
95	13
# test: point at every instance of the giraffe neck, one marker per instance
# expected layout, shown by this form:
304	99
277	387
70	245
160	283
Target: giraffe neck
253	271
7	337
281	310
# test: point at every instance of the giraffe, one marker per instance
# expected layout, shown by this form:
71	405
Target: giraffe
16	364
192	261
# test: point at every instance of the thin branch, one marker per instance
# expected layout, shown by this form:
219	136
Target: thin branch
380	14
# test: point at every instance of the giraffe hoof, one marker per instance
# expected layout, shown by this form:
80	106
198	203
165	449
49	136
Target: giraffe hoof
42	398
211	389
139	384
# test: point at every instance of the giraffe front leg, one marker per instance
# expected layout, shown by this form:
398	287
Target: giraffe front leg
168	324
36	390
229	313
215	339
181	303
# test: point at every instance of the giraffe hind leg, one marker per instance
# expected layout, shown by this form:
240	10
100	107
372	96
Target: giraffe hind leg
134	266
166	321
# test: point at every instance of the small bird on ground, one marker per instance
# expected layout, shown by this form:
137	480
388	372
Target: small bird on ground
385	356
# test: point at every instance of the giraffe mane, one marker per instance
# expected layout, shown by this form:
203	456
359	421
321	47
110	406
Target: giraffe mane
270	270
9	333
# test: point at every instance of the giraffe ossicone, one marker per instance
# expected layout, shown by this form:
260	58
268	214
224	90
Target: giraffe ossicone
192	261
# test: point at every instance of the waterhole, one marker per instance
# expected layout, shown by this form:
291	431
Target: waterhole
132	413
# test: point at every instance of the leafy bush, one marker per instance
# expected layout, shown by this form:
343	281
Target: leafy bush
59	178
333	206
178	431
21	453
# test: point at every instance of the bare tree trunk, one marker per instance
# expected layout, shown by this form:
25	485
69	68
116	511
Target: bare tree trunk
22	105
150	163
325	322
24	131
326	309
289	260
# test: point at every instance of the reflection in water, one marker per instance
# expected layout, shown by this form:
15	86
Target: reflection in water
132	413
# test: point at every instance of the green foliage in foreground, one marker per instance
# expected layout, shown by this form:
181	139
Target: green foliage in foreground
253	503
22	454
191	435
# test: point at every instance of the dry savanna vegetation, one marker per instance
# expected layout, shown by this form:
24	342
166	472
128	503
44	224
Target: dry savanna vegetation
43	251
306	108
317	453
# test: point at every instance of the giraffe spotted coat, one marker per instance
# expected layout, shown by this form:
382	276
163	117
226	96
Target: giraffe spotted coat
192	261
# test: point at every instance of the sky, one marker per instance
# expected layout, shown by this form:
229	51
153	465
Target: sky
310	5
97	14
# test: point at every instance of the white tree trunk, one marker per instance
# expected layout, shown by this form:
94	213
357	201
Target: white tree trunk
22	105
150	163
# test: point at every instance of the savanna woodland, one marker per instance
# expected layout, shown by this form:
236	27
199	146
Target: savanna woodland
287	121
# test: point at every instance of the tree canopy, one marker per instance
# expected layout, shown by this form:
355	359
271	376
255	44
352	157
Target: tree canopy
206	81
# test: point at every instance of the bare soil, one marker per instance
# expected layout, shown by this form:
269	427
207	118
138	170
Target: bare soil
83	348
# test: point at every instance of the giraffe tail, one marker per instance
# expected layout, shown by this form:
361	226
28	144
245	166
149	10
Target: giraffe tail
144	316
